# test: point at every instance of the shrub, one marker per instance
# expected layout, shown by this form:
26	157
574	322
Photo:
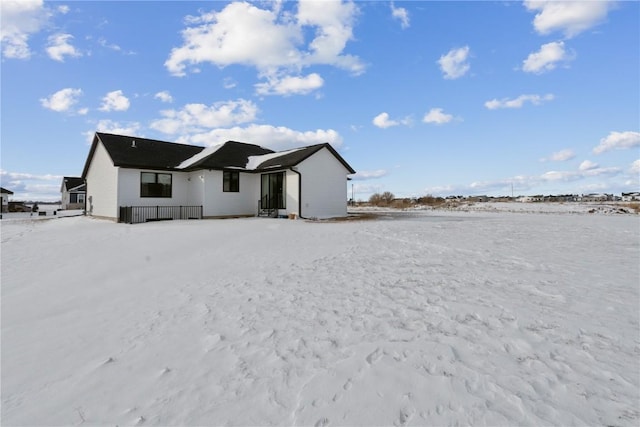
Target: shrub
429	200
633	206
384	199
401	203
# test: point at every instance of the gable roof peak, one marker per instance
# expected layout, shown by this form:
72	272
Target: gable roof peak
143	153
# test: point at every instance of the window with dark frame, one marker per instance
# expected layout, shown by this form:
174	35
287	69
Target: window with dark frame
230	181
76	198
154	184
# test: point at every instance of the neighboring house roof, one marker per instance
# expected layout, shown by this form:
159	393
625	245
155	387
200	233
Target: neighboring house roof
73	183
5	191
142	153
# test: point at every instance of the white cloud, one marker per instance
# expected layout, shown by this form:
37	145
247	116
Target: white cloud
435	115
27	176
115	101
519	183
104	43
62	100
546	58
333	22
164	96
454	64
518	102
598	171
364	175
63	9
18	20
560	156
193	118
112	46
28	186
401	14
59	47
618	141
274	137
587	165
364	191
560	176
635	167
109	126
290	85
587	169
239	34
229	83
383	121
270	40
580	179
569	17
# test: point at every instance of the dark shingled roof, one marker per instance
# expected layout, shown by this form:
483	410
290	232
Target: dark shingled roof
232	154
5	191
134	152
142	153
297	156
73	182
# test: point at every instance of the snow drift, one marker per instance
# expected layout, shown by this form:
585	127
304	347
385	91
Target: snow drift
435	319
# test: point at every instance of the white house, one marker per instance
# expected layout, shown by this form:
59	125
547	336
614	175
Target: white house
72	192
5	199
135	179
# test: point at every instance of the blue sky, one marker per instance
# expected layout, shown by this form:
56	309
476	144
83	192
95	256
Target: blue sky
420	97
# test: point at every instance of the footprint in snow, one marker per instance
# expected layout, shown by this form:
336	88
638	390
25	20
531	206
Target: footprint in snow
107	361
209	342
322	422
405	416
374	356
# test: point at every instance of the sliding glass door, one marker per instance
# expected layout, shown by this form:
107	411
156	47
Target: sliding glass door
272	193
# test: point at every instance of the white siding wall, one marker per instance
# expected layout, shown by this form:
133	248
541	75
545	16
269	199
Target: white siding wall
195	189
292	181
64	202
102	185
219	203
324	186
129	189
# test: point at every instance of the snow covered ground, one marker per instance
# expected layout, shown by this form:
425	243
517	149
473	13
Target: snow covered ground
432	318
517	207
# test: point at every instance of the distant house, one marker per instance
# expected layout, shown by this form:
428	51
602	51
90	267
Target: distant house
73	190
630	197
135	179
596	197
531	199
5	199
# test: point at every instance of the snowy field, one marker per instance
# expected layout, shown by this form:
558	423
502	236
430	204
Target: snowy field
431	318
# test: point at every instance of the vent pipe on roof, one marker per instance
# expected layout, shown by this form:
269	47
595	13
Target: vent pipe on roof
133	144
